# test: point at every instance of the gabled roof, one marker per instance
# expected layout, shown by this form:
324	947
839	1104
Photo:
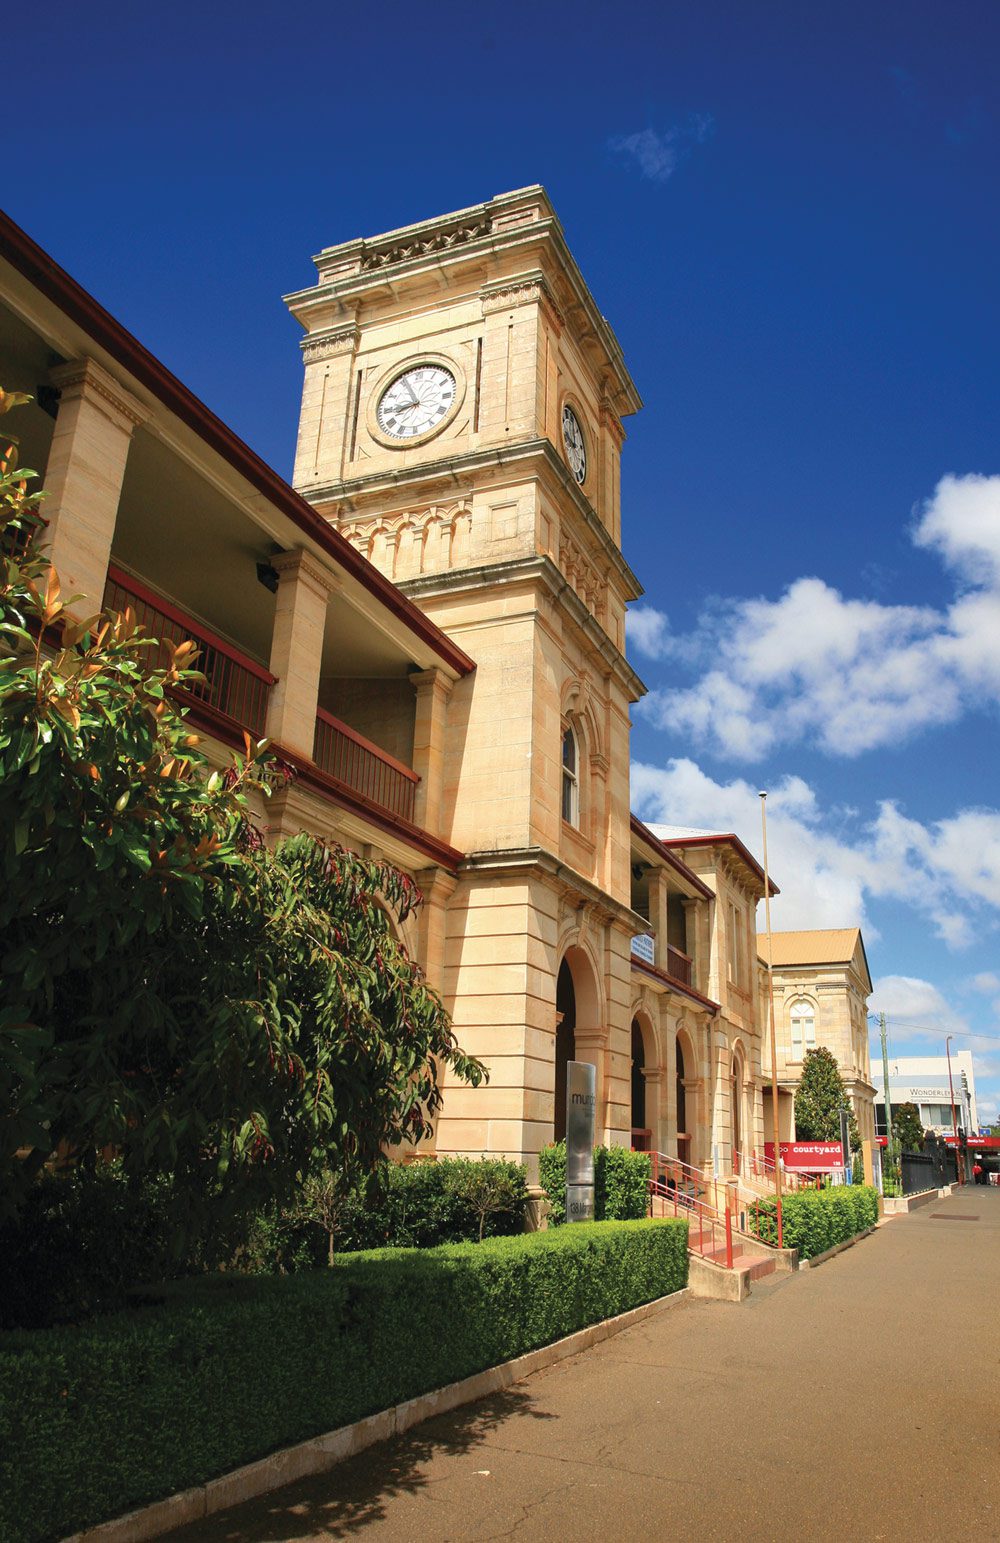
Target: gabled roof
670	859
687	836
824	945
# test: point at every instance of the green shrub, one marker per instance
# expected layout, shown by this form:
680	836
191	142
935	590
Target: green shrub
621	1182
83	1241
815	1220
409	1205
80	1242
220	1370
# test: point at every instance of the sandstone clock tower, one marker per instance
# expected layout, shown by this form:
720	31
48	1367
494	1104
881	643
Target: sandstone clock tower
461	425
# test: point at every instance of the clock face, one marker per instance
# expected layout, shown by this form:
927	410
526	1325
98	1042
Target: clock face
576	450
416	401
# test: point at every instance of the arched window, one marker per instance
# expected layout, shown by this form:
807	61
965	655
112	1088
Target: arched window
570	777
803	1028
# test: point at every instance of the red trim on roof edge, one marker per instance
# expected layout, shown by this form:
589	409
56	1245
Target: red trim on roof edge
675	985
715	840
645	834
44	272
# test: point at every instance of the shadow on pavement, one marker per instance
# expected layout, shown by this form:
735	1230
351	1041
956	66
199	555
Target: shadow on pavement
355	1493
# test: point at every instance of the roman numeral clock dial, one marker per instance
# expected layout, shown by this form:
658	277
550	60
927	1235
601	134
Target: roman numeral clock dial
576	450
416	401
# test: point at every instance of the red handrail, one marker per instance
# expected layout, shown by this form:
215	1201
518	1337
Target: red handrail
234	684
710	1233
345	754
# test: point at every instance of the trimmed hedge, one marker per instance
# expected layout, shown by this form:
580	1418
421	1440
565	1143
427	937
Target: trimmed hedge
621	1182
84	1241
411	1205
221	1370
815	1220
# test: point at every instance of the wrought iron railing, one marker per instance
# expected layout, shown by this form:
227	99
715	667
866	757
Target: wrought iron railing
234	684
365	768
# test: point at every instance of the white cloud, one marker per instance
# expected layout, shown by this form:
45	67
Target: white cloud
831	863
915	1008
658	155
986	982
845	675
648	631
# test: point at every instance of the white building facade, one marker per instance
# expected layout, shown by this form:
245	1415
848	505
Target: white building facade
923	1080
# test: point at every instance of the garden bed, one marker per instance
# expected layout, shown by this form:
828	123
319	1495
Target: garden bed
217	1372
814	1221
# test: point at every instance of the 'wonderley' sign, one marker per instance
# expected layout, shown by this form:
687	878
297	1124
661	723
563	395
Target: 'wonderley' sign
581	1108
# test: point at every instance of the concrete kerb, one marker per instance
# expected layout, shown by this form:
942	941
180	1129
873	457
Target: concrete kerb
324	1452
902	1205
838	1248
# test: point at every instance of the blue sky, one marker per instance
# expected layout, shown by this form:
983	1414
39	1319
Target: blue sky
789	213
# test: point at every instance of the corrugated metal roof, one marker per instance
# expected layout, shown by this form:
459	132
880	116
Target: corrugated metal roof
833	945
676	832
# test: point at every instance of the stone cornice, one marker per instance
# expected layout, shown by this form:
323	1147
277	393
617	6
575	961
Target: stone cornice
327	342
531	288
523	219
85	377
533	570
457	473
518	861
300	563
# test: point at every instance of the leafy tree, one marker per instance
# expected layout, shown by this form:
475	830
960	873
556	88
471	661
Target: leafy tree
173	991
819	1098
487	1188
907	1127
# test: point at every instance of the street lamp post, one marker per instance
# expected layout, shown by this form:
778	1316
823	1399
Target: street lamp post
770	994
959	1165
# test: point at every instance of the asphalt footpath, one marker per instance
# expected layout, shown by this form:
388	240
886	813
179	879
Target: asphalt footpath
859	1399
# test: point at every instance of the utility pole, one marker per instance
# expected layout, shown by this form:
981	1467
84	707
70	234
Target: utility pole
885	1083
774	1054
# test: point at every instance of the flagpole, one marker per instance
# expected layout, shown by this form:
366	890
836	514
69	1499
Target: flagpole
770	996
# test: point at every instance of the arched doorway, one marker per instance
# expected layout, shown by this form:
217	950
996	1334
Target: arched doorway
641	1134
684	1139
736	1110
565	1044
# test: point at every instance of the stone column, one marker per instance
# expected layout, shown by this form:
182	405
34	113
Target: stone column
304	588
658	893
84	476
433	688
437	887
592	1045
654	1077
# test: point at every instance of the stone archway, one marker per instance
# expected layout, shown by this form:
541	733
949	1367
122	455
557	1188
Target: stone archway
580	1035
565	1048
686	1099
641	1133
738	1134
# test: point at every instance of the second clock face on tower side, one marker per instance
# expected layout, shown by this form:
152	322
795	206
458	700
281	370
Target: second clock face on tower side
576	450
416	401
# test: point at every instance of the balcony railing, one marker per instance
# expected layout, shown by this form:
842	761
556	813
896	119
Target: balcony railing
378	777
234	684
678	965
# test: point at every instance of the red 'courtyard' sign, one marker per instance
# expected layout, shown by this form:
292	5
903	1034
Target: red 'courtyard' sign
808	1156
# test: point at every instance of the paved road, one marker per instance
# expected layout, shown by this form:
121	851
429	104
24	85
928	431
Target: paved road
857	1400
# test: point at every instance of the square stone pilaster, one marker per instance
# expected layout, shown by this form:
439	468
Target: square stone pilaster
84	476
433	688
437	886
304	588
